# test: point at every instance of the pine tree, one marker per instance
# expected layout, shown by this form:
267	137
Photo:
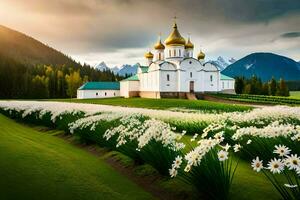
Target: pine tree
283	89
239	85
272	87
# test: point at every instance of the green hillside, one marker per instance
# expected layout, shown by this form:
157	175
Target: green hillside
27	50
31	69
35	165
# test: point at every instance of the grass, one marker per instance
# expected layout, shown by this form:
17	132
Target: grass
34	165
295	94
163	104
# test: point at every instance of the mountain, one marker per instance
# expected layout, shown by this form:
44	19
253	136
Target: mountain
102	67
115	70
128	69
220	63
265	66
231	60
27	50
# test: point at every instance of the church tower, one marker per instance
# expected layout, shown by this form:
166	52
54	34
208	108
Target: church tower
189	48
175	44
159	50
201	57
149	57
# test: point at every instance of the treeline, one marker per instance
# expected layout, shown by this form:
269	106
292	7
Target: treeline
19	80
254	85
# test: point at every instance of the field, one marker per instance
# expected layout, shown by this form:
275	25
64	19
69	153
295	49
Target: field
219	157
163	104
293	100
35	165
295	94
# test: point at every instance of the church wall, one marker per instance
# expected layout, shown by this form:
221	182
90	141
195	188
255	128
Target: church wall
227	85
90	94
212	81
168	81
129	88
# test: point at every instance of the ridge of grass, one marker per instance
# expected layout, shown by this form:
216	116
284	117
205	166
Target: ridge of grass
43	166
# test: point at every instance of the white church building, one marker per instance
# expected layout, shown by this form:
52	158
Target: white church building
172	71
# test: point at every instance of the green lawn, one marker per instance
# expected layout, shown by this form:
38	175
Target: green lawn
35	165
295	94
207	106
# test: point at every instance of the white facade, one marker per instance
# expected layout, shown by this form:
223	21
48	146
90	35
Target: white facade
172	70
92	94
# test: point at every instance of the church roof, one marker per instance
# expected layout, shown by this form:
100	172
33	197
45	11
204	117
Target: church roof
224	77
100	86
144	69
175	38
132	78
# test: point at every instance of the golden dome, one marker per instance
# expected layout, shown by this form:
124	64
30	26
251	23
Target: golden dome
175	38
189	44
149	55
159	45
201	55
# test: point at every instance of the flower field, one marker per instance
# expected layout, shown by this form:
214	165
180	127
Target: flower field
266	138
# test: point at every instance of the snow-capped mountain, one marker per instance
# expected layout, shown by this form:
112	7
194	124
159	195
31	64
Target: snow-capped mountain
124	70
220	63
231	60
265	66
128	70
102	67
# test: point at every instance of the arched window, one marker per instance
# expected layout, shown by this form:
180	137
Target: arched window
159	56
105	93
168	77
223	84
191	74
114	94
211	78
174	52
179	52
169	53
96	93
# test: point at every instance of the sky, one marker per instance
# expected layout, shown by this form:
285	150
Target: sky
121	31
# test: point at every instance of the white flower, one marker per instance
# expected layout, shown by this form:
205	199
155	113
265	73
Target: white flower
290	186
237	147
187	168
177	162
249	141
222	155
173	172
292	162
257	164
282	150
226	147
275	166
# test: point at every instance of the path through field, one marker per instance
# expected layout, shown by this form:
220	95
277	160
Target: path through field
35	165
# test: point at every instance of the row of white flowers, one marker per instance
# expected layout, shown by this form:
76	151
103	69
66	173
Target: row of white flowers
258	114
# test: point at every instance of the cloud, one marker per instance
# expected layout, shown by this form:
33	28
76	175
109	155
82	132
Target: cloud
290	35
84	27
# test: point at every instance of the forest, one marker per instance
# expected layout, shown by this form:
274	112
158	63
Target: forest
25	81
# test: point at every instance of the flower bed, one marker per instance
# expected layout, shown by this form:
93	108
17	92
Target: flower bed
208	161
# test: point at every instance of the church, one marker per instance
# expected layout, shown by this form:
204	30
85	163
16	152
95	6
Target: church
171	71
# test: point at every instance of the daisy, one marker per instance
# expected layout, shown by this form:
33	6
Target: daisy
282	150
173	172
275	166
257	164
226	147
237	147
249	141
187	168
222	155
292	162
177	162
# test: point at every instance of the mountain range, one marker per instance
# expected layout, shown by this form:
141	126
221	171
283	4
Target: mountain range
265	66
221	63
124	70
